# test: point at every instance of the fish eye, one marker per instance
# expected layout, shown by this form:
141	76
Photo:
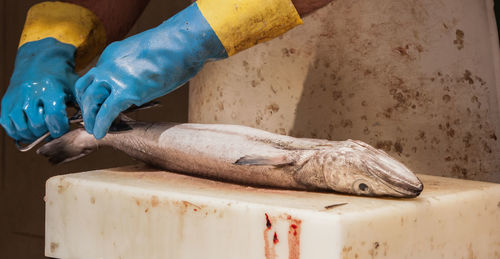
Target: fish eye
361	187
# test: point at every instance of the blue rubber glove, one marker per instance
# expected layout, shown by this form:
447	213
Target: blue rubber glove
146	66
40	86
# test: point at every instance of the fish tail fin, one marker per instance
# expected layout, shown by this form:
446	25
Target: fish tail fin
73	145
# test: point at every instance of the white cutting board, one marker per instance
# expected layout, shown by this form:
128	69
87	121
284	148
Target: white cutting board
138	212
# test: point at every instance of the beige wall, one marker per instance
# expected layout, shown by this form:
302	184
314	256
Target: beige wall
419	79
23	175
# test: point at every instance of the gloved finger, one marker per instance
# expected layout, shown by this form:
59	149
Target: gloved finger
5	121
34	112
82	84
110	109
7	124
91	102
55	115
19	120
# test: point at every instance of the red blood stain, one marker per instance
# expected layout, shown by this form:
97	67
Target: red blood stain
269	248
294	228
195	209
268	222
294	238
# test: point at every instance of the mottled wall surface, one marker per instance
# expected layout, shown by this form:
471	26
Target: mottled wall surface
23	175
418	79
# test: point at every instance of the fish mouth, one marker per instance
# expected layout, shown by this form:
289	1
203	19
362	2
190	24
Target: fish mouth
408	187
399	179
405	189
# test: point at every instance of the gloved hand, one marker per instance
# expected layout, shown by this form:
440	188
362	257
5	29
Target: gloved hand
56	35
39	88
144	67
155	62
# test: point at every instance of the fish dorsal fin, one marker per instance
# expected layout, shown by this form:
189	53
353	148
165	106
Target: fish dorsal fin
124	117
145	106
279	160
122	123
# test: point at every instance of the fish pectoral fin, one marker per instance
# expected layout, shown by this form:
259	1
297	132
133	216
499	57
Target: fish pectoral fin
280	160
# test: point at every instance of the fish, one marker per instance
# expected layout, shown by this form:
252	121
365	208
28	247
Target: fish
249	156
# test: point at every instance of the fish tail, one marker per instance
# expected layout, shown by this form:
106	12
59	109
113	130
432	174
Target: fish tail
73	145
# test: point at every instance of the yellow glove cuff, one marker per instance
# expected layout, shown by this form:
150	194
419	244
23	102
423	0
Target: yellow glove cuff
240	24
68	23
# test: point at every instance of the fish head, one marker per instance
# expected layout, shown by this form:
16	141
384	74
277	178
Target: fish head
357	168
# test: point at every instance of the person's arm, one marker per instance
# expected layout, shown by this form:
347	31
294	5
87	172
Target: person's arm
117	16
305	7
156	62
